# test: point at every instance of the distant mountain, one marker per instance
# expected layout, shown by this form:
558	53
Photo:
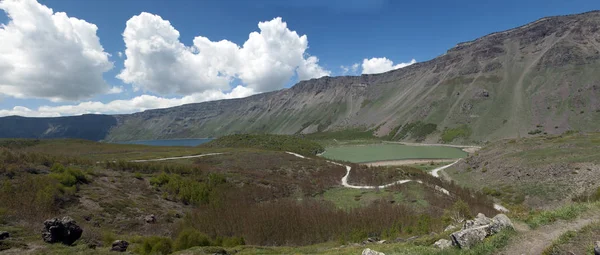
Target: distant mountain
540	77
89	126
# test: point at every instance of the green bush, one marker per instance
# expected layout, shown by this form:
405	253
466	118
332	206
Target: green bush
233	241
188	190
156	245
190	238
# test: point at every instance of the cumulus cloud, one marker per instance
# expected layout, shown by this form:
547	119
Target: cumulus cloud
120	54
136	104
46	54
157	61
381	65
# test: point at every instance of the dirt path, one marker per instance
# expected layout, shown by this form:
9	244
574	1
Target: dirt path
534	241
173	158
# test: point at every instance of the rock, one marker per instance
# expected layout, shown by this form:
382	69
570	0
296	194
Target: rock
372	239
4	235
120	246
368	251
466	238
150	219
63	230
382	242
450	228
479	220
484	93
500	222
597	248
443	244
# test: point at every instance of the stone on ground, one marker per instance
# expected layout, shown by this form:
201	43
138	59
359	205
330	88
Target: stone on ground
63	230
120	246
368	251
4	235
443	244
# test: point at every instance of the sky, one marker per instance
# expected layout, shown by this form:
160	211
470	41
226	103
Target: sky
72	57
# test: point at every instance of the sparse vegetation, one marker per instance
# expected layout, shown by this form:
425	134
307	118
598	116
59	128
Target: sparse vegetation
450	134
415	130
267	142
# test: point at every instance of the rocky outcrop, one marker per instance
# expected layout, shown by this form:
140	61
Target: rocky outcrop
4	235
119	246
443	244
150	219
368	251
476	230
63	230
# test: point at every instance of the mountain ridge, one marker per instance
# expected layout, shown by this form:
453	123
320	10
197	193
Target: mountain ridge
536	77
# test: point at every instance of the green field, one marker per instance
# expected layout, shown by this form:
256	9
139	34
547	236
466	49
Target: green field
381	152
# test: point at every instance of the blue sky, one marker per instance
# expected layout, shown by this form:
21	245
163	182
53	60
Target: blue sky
339	33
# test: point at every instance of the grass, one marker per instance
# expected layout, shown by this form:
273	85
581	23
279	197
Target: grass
267	142
576	242
345	198
450	134
417	130
348	134
567	212
381	152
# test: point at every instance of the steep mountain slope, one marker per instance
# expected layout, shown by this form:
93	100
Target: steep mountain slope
538	76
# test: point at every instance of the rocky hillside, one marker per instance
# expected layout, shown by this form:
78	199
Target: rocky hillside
540	77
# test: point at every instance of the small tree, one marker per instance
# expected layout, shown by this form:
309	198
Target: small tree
458	213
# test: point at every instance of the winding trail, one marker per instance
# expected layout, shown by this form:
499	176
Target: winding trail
434	172
173	158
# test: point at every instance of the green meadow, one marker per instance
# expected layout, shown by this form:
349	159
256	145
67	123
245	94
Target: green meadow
382	152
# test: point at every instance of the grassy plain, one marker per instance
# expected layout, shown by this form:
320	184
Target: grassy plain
382	152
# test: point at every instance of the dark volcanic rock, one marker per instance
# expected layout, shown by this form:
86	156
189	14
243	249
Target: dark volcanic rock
63	230
120	246
4	235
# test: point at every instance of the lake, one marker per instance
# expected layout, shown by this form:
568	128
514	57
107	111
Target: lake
171	142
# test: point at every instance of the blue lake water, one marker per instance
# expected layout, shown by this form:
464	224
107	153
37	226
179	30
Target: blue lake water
171	142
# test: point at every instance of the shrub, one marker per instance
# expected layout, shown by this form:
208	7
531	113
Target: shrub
190	238
156	245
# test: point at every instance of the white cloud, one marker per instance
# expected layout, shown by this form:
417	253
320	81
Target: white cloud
353	69
136	104
345	69
157	61
49	55
115	90
381	65
120	54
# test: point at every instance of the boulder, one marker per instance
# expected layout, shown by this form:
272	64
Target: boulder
63	230
466	238
597	248
368	251
500	222
450	228
4	235
479	220
443	244
120	246
150	218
